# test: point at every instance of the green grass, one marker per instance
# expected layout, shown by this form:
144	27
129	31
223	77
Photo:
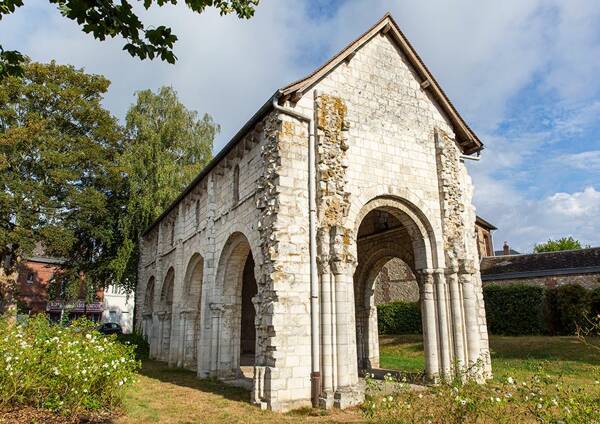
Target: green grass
168	395
511	356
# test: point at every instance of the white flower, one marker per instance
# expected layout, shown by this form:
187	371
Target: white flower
510	380
463	402
120	383
554	402
88	336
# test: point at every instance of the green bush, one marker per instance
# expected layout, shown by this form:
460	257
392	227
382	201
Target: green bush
399	318
64	369
138	341
566	307
595	302
514	309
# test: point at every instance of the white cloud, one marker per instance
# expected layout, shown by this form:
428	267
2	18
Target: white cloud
587	161
579	205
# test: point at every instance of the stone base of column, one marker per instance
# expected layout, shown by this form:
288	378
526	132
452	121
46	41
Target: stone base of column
346	397
326	399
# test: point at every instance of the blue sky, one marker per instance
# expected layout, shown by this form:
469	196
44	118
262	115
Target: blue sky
524	74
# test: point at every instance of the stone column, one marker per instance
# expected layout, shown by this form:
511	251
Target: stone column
443	322
466	272
428	313
347	393
327	333
181	342
216	310
456	303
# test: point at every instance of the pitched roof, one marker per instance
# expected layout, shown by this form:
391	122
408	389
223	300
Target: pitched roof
579	261
466	138
485	224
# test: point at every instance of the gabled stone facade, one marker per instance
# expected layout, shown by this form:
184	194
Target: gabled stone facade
389	182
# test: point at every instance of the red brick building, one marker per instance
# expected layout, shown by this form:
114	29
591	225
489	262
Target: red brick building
34	278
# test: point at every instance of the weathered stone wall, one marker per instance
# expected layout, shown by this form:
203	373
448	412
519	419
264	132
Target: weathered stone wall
396	283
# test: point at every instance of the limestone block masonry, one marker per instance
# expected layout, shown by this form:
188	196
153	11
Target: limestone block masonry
225	277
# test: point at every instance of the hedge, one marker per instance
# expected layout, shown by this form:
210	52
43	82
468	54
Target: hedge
399	318
514	309
511	310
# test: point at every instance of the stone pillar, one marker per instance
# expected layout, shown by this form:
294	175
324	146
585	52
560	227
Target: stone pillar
216	310
441	294
428	313
466	272
327	333
456	303
347	392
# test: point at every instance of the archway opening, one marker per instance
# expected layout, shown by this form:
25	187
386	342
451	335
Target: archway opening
147	309
247	324
386	275
192	311
166	314
235	346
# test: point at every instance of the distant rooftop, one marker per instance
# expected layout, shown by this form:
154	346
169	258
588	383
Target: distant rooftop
580	261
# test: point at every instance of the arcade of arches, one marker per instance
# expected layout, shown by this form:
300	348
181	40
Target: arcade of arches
267	270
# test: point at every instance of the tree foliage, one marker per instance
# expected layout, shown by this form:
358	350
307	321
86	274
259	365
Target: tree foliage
60	185
110	18
168	146
565	243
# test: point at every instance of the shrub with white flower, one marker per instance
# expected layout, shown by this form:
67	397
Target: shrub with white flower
67	370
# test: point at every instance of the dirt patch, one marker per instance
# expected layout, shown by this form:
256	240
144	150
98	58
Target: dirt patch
28	414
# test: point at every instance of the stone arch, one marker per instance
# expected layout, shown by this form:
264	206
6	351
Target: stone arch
237	288
423	237
191	312
165	314
148	308
407	201
411	239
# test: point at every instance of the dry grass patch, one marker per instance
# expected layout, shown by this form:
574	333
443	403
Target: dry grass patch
168	395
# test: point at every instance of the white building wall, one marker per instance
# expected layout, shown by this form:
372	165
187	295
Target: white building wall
118	308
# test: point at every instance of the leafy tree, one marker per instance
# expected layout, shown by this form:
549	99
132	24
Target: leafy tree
109	18
565	243
168	146
60	185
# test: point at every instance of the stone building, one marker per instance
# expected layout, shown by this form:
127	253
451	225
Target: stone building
483	233
549	269
268	259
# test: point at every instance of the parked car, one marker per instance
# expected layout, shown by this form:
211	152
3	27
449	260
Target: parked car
110	328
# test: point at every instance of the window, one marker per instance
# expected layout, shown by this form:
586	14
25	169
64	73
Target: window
30	278
172	241
236	185
112	316
197	213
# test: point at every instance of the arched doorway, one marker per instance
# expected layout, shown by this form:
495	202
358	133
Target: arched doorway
411	239
236	327
166	315
385	273
191	312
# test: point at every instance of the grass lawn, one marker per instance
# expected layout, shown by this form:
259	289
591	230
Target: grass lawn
511	356
177	396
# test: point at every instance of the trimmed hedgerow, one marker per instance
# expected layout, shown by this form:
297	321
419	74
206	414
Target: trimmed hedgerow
399	318
64	369
567	307
515	309
595	302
